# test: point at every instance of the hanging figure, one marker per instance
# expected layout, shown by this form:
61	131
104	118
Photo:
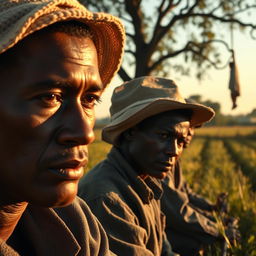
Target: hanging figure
234	84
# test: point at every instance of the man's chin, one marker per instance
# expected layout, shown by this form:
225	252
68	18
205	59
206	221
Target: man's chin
54	203
159	175
61	197
64	195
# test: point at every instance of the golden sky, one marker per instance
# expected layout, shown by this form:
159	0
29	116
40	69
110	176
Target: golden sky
215	86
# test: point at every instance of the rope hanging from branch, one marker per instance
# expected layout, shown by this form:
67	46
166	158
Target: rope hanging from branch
234	84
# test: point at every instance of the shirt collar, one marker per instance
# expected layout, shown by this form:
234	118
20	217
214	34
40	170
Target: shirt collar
46	232
147	189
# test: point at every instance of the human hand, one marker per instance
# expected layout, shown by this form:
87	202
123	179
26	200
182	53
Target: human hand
231	231
221	204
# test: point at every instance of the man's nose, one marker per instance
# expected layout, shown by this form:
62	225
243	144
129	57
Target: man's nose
172	148
77	126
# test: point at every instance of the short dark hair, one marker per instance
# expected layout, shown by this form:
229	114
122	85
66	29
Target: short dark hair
70	27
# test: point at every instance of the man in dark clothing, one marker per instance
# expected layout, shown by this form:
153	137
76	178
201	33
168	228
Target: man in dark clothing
54	65
149	123
189	216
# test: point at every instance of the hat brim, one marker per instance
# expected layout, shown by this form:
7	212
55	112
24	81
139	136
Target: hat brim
110	133
107	30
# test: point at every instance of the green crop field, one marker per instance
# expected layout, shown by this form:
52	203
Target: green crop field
219	159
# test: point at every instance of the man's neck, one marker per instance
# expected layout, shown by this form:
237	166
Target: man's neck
9	217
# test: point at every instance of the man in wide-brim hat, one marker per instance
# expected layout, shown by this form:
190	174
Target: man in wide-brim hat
56	58
149	125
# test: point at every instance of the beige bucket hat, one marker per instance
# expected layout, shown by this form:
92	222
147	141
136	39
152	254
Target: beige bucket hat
19	18
146	96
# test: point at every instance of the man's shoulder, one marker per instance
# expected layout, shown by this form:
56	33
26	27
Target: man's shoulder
100	181
101	188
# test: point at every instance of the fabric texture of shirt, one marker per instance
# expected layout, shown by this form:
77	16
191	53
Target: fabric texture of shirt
127	206
68	231
189	223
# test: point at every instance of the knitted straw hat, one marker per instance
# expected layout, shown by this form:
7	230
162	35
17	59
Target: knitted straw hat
143	97
19	18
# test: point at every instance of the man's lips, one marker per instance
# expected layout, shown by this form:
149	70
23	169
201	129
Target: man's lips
69	169
166	165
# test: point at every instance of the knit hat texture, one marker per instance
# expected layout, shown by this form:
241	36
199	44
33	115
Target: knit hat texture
20	18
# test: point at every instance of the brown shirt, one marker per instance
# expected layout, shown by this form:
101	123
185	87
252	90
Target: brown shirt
68	231
127	206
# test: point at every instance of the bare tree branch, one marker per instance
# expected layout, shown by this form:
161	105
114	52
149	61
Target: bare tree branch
159	18
185	7
133	10
188	48
124	76
130	52
224	20
196	3
161	32
169	55
217	7
177	3
200	15
160	8
130	35
244	10
125	19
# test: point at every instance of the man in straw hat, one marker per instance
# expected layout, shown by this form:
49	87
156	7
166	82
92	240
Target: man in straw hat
149	123
56	58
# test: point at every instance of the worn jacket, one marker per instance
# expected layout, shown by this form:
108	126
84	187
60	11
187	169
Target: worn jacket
127	206
189	224
68	231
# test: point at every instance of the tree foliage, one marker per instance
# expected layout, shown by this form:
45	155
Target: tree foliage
174	35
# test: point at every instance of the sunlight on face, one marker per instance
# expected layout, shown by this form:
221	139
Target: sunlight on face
156	143
47	118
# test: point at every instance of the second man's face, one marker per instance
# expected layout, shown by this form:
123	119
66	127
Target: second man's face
155	145
47	117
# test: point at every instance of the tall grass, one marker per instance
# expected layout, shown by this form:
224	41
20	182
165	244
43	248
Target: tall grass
97	150
244	157
228	165
227	131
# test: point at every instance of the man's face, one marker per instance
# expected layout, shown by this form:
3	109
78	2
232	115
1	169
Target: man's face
191	133
155	144
46	118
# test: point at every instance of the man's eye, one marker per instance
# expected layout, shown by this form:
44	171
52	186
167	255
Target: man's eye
164	135
90	100
51	99
181	141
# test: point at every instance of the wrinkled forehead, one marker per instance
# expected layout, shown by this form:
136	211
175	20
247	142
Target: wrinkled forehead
53	58
38	44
